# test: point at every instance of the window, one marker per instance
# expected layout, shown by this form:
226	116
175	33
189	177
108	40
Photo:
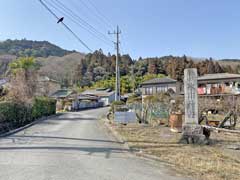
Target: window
161	89
149	91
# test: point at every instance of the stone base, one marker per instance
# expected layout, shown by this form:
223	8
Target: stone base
195	134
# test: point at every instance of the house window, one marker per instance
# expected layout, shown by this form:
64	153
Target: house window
162	89
149	91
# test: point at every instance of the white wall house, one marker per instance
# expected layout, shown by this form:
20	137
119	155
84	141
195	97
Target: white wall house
158	85
106	96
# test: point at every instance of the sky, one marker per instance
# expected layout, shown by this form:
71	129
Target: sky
149	28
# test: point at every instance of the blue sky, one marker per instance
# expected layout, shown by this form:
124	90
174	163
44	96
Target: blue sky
150	28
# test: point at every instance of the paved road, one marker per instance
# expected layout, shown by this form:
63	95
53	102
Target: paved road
73	146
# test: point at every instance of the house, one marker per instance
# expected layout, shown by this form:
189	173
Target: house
106	96
86	101
220	83
208	84
158	85
66	99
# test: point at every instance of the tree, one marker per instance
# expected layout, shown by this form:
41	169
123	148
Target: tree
152	66
23	79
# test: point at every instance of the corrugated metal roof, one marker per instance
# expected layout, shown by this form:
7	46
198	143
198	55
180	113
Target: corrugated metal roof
99	92
62	93
218	76
159	81
87	97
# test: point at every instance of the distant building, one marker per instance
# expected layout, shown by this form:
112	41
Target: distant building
106	96
62	94
88	101
208	84
159	85
66	99
220	83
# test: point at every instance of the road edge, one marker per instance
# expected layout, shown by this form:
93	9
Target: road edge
28	125
139	153
121	139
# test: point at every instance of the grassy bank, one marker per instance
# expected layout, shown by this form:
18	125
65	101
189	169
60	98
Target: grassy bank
217	161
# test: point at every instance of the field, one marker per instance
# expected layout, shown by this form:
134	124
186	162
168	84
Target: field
219	161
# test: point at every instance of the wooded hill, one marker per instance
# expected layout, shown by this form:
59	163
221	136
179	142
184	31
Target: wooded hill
99	67
73	68
31	48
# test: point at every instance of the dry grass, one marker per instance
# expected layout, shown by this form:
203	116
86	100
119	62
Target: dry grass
213	162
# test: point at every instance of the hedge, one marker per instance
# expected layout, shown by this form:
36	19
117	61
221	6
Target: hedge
43	106
14	115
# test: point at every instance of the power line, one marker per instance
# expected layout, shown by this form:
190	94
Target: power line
101	14
94	11
68	28
123	45
74	20
79	19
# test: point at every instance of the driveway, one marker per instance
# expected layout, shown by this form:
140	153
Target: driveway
73	146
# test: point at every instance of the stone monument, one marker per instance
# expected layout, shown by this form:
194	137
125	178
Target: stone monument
192	131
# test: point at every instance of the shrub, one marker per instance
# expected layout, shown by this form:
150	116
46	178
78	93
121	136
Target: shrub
14	115
43	106
116	103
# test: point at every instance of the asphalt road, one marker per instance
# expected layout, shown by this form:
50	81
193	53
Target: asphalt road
73	146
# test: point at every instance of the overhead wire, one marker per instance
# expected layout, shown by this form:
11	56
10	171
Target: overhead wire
122	45
66	26
79	19
107	21
74	20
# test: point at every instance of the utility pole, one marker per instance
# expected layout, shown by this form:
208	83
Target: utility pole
117	85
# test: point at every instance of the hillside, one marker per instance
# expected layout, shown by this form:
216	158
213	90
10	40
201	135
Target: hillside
4	62
31	48
72	68
233	63
47	52
60	68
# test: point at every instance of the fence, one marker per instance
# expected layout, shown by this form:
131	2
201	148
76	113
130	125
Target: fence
148	113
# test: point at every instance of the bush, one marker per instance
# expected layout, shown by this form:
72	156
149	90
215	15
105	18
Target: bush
43	106
14	115
116	103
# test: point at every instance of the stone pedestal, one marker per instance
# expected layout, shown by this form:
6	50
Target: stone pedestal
195	134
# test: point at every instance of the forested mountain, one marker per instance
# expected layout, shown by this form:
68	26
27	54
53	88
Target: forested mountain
97	66
31	48
230	60
97	69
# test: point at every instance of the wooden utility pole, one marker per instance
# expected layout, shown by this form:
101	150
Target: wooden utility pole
117	85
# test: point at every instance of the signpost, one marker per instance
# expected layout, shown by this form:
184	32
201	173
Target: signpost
191	96
192	131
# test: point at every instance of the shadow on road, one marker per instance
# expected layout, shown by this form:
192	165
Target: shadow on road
89	150
75	119
65	138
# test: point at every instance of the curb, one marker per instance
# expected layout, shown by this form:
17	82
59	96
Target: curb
27	126
126	145
116	135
